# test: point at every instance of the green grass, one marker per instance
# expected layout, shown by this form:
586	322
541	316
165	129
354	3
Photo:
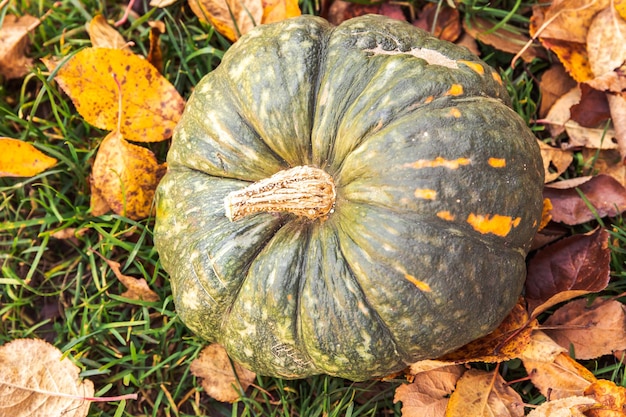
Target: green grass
62	291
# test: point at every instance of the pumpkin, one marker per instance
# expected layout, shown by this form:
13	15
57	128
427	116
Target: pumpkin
347	200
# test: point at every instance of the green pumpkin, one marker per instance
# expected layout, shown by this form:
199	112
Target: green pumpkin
347	200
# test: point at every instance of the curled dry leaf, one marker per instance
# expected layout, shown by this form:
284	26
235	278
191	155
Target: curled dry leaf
484	394
13	44
569	268
125	176
428	394
447	25
565	407
155	55
592	330
21	159
604	193
341	11
612	399
554	83
150	105
103	35
555	161
220	13
37	381
592	110
137	288
541	348
606	46
218	379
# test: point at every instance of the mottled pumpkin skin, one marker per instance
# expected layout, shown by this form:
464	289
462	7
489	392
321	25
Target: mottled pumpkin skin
438	198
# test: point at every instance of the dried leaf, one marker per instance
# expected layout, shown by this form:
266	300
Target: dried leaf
218	379
277	10
220	13
21	159
341	11
480	393
162	3
592	330
602	192
593	108
151	106
37	381
566	269
541	348
608	162
612	399
554	83
428	394
617	104
137	288
126	176
564	407
13	44
504	343
155	56
103	35
606	42
482	30
561	378
555	161
448	23
560	112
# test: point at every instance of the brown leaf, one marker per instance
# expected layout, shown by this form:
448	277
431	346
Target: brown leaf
480	393
341	11
592	330
103	35
218	379
150	105
541	348
504	40
126	176
593	108
606	42
555	161
602	192
155	56
554	83
137	287
608	162
37	380
611	397
21	159
566	269
504	343
564	407
448	23
220	14
428	394
617	104
13	44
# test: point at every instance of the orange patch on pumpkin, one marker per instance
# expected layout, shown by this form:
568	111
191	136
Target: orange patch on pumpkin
439	162
426	193
421	285
495	224
445	215
429	99
474	66
454	112
497	162
455	90
497	77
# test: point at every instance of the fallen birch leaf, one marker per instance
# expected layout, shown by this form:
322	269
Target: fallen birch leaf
555	161
220	13
126	176
541	348
150	105
571	267
21	159
13	44
592	330
564	407
561	378
218	379
103	35
484	394
37	381
428	394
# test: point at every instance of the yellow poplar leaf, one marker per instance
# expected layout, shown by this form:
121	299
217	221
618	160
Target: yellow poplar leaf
13	43
220	13
126	176
484	394
218	379
277	10
36	380
103	35
151	106
21	159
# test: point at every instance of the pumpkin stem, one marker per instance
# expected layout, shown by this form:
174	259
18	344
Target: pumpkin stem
303	190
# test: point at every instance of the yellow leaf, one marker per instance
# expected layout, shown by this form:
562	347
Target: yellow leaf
151	106
103	35
277	10
126	176
218	379
21	159
231	18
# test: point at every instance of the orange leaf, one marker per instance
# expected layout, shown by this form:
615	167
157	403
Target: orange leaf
231	18
21	159
126	176
277	10
151	106
611	397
